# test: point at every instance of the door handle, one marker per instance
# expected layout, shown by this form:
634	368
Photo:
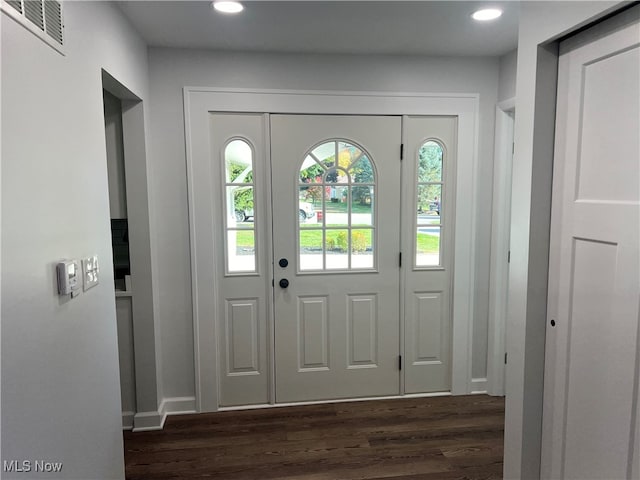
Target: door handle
283	262
284	283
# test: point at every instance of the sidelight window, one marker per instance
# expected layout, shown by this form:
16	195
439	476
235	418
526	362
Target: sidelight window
430	208
239	190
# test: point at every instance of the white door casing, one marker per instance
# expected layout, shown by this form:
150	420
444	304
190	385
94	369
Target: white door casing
337	323
591	420
500	241
199	102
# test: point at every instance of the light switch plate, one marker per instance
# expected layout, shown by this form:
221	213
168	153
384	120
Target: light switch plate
90	272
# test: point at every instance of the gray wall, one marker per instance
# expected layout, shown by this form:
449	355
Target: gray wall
507	81
61	394
115	156
172	69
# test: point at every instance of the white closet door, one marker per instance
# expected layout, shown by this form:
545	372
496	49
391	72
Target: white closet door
591	372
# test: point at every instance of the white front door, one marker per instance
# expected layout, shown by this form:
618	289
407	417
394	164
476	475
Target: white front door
591	426
336	223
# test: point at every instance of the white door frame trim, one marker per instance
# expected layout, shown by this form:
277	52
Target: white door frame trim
500	233
198	101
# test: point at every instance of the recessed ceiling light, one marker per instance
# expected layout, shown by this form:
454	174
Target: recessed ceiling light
486	14
228	7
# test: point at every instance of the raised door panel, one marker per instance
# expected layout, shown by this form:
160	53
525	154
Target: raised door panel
429	318
607	142
242	336
600	367
362	320
313	328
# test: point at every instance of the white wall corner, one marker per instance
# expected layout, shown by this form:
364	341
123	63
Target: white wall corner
148	421
508	104
478	386
500	246
127	420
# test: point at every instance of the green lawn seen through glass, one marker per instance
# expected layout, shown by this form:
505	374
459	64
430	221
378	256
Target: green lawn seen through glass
311	238
342	207
428	243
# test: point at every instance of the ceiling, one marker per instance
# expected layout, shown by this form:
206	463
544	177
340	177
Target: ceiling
337	27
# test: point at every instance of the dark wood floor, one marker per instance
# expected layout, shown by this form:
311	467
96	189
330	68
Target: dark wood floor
439	438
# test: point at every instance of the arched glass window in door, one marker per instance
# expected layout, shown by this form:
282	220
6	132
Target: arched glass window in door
430	209
240	207
336	208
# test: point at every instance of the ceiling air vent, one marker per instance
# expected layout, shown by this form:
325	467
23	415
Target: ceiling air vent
33	12
17	4
41	17
53	20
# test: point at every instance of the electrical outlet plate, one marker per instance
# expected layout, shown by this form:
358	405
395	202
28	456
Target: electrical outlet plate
90	272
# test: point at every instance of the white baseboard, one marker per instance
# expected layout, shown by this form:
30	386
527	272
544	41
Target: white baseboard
147	421
127	420
338	400
478	385
178	405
